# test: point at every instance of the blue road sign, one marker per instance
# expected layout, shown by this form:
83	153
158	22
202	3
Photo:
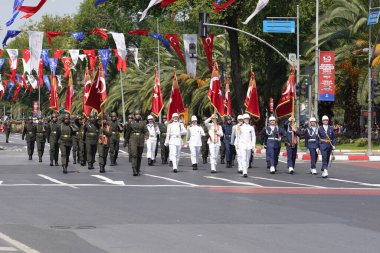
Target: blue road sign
373	17
279	26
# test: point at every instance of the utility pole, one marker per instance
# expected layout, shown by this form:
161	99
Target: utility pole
316	85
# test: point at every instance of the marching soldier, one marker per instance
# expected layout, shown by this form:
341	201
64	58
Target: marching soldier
91	131
227	132
327	144
81	141
8	129
130	119
163	128
136	133
114	140
235	129
40	138
104	144
246	143
291	134
75	127
215	132
65	139
272	142
194	139
30	133
174	140
152	140
312	142
205	149
52	138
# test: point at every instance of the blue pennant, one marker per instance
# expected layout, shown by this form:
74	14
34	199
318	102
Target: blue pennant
47	81
2	61
218	2
159	37
45	57
10	89
79	36
53	65
99	2
10	34
105	57
16	4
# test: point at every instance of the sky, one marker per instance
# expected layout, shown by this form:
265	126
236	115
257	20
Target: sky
55	7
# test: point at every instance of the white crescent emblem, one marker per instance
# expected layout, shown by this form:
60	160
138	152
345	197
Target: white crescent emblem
102	81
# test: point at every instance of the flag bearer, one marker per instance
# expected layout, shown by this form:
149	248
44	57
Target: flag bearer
327	144
152	140
312	143
291	134
234	141
194	139
215	132
105	133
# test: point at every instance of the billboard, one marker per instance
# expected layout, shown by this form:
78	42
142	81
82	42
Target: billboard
326	76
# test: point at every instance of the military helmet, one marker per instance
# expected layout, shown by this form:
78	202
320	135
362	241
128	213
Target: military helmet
130	117
137	112
54	115
66	116
164	117
92	115
113	114
30	118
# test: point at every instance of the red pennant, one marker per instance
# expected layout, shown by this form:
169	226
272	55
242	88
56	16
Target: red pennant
174	42
285	105
98	91
92	58
121	64
26	54
252	99
165	3
66	64
101	32
50	35
69	95
17	91
157	101
12	76
139	32
215	91
23	79
227	99
58	54
222	6
86	92
41	73
31	10
176	102
208	44
1	52
54	104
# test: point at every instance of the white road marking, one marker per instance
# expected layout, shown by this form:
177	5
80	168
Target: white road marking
233	182
170	179
17	244
108	180
8	249
1	182
57	181
287	182
122	151
353	182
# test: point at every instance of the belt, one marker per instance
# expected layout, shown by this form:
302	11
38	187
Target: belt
136	133
325	140
163	133
276	139
115	132
312	140
40	133
53	132
30	132
92	134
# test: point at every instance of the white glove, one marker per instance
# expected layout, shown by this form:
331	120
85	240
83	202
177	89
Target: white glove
185	145
166	144
333	147
317	150
254	149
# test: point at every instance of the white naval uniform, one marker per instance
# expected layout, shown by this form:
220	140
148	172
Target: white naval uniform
194	139
174	140
214	142
151	143
234	142
246	142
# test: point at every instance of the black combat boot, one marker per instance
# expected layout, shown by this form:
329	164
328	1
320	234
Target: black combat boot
102	170
112	162
222	161
30	157
229	165
150	163
195	166
51	163
89	166
204	160
56	163
64	169
75	160
40	159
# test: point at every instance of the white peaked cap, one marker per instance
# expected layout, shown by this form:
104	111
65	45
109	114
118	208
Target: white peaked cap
272	118
175	115
194	118
325	118
246	116
240	117
150	117
313	119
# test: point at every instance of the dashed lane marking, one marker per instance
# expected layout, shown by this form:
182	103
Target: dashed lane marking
287	182
8	249
108	180
170	179
17	244
353	182
57	181
233	182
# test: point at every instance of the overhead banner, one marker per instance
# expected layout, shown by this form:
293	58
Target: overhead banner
326	76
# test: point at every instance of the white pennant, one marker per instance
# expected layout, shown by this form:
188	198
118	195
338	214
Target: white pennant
13	55
135	52
59	79
190	40
35	46
151	4
120	44
27	68
82	57
1	85
74	54
260	5
32	81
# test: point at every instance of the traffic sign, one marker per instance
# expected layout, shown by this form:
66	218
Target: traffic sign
373	17
279	26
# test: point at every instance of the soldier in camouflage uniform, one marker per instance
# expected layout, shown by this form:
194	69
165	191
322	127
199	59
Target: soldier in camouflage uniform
136	133
163	127
130	119
8	129
205	148
116	128
82	143
40	137
91	131
52	138
105	134
30	133
65	139
75	126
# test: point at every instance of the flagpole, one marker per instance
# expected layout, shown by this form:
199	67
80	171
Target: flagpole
122	97
158	64
39	99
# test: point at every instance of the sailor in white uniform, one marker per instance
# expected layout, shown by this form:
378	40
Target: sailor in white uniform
246	143
215	131
194	140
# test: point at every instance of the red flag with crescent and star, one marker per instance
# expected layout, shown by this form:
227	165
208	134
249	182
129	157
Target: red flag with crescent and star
165	3
174	42
50	35
86	92
285	106
66	64
208	44
176	102
121	63
98	91
252	99
54	105
91	55
69	94
215	92
157	100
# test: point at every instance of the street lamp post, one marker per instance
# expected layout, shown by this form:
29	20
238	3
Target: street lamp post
316	59
369	123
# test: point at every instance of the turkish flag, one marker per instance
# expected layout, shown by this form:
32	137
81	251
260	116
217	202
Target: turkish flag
66	64
50	35
58	54
41	73
285	106
176	102
174	42
121	64
54	105
165	3
222	6
69	94
86	92
215	91
139	32
98	91
157	101
17	90
31	10
208	44
252	99
101	32
92	58
227	99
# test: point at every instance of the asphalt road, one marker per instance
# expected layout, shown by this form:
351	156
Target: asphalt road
43	210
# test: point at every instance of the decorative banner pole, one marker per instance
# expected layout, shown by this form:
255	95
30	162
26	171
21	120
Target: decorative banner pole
122	96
